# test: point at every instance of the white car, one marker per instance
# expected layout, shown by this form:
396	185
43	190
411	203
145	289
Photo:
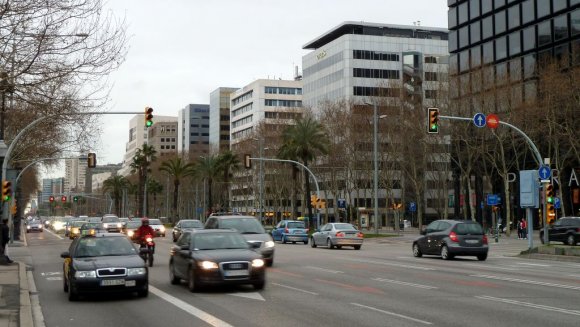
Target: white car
157	225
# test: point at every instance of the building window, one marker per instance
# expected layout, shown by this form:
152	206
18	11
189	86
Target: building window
375	55
474	8
464	36
515	45
544	33
430	94
516	70
543	8
452	41
375	91
463	17
430	59
431	76
487	27
475	32
488	52
451	17
500	25
529	66
529	38
575	22
514	17
162	139
528	13
376	73
560	27
464	61
498	3
173	147
500	48
485	6
475	57
559	5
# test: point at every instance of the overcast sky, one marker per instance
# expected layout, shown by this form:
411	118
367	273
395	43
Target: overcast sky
181	50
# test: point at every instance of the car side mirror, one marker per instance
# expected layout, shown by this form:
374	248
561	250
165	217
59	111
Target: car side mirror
65	255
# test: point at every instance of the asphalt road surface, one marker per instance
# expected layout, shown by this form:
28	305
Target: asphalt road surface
380	285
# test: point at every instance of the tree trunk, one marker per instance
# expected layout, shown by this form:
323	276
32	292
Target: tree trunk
175	216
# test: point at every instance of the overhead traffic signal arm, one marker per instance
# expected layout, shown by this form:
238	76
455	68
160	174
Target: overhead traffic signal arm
433	117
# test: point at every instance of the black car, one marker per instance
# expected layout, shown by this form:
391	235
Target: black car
250	228
103	263
565	229
209	257
184	225
450	238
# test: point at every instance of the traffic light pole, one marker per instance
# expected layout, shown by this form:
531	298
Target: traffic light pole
309	171
539	161
29	127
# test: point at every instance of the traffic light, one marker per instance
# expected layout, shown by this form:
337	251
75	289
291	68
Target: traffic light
433	117
92	160
148	116
314	201
247	161
550	213
6	190
75	198
63	198
550	193
51	198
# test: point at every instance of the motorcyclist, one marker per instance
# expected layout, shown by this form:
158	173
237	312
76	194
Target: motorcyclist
143	231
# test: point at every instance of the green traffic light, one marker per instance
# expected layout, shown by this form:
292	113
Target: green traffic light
6	198
550	199
149	123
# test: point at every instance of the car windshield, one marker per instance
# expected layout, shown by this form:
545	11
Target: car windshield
344	227
104	246
133	224
78	223
191	224
295	224
215	241
243	225
110	219
155	222
468	229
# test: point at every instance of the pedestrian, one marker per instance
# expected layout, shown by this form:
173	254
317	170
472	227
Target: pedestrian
4	237
519	224
524	229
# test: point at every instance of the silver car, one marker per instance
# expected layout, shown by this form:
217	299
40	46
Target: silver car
337	235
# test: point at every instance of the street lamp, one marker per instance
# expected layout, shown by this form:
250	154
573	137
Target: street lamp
375	165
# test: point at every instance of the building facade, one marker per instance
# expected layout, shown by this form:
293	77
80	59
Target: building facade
219	119
75	179
163	137
193	130
51	186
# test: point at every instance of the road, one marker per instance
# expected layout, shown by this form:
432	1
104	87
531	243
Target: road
380	285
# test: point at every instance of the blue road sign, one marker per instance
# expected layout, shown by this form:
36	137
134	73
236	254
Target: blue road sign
493	199
412	206
557	203
199	210
544	172
341	203
479	120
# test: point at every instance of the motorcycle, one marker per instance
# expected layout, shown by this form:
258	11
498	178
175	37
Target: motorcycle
149	244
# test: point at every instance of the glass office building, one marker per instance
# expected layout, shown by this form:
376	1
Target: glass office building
514	36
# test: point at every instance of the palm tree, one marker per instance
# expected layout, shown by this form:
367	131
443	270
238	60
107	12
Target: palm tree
208	168
154	187
140	165
304	141
116	184
228	162
177	169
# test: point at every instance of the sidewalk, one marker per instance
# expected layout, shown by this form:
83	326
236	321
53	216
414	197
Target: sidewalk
15	305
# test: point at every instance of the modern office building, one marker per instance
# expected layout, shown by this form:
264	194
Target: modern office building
219	119
193	130
51	186
75	178
513	36
357	61
137	137
163	137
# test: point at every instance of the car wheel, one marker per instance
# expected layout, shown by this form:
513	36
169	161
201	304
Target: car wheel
329	244
482	257
306	242
259	285
445	255
172	278
417	251
312	243
72	294
356	247
339	247
570	240
192	283
284	239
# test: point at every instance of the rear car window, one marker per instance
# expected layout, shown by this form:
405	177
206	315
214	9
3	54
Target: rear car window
468	229
191	224
344	227
297	224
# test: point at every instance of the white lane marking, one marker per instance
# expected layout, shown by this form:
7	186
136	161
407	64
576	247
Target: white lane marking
53	278
532	264
530	305
489	267
404	283
525	281
393	314
294	288
50	273
389	264
206	317
48	230
325	270
252	295
572	275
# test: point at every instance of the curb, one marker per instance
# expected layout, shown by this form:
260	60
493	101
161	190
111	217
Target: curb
25	306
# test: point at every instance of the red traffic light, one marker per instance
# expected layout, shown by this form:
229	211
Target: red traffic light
63	198
51	198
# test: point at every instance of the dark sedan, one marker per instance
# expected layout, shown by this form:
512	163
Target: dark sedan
103	263
565	230
210	257
185	225
450	238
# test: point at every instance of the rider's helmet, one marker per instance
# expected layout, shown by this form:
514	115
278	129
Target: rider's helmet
145	222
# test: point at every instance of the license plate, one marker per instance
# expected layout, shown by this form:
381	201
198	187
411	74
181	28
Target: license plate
112	282
472	241
130	283
298	232
230	273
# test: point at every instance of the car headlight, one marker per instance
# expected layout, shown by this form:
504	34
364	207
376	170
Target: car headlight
119	225
208	265
162	228
257	263
130	233
27	227
136	271
85	274
269	244
105	225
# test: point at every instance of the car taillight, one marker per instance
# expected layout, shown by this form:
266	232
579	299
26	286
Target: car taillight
484	239
286	230
361	235
339	234
453	237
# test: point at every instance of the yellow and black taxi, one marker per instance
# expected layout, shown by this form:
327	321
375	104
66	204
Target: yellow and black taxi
75	228
99	263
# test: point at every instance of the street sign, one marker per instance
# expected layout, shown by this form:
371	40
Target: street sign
341	203
557	203
529	190
544	172
493	199
492	121
479	120
412	206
